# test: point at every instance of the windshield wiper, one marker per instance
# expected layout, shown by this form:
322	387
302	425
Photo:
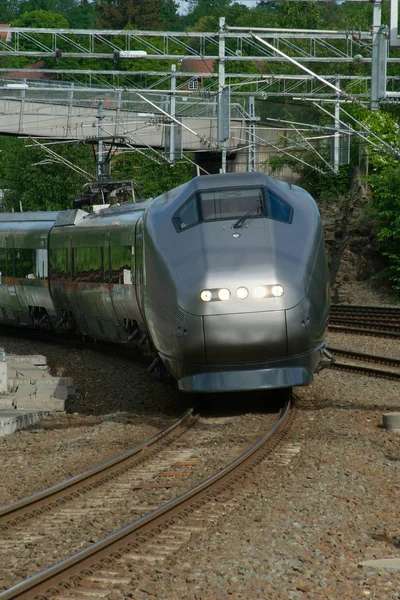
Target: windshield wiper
240	222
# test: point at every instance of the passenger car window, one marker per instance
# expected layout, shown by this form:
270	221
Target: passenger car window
25	263
88	264
121	264
6	263
60	264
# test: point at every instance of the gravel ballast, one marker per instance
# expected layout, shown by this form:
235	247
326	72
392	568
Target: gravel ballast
301	531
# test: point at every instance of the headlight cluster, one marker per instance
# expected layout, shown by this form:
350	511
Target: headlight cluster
261	291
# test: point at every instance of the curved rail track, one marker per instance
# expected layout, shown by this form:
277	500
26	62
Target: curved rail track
110	559
60	494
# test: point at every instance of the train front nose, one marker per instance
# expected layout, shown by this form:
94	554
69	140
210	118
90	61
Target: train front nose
244	337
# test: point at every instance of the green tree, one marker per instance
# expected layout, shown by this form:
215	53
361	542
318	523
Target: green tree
170	17
41	18
142	14
82	15
8	10
33	5
153	179
62	7
386	213
384	180
207	8
38	185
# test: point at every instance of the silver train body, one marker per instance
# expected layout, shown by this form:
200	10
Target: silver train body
225	278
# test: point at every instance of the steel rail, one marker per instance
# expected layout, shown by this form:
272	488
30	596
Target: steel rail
383	360
17	509
364	331
380	373
358	317
70	571
349	308
370	324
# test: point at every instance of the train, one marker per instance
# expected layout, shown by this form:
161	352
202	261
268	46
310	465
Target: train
223	280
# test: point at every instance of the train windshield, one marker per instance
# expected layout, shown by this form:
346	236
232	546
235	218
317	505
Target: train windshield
239	204
231	203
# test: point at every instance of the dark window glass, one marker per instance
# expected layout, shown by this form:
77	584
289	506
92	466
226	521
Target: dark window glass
231	203
41	266
25	263
5	262
60	264
279	209
139	266
88	264
188	215
10	262
222	204
121	264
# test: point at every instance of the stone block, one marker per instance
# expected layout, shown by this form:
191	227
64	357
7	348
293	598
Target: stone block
11	420
3	377
26	389
34	359
40	402
6	402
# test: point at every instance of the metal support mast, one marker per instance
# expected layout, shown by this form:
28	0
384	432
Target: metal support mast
379	57
251	137
172	109
223	114
99	161
336	139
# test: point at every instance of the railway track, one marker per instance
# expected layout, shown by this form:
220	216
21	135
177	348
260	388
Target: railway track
341	309
152	535
368	358
365	320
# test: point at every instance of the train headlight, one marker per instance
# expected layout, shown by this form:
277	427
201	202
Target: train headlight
277	291
261	291
206	295
242	293
224	294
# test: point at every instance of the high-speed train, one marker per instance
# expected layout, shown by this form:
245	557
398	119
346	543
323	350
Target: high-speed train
224	279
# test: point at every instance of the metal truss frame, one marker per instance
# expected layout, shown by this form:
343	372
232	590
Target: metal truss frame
310	46
286	52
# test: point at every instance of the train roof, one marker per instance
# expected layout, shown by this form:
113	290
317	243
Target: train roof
31	216
126	207
69	217
225	180
286	191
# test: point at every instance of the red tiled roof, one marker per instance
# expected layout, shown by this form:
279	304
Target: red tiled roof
36	65
5	36
198	65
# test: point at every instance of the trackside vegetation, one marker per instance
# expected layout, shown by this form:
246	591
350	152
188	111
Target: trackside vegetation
33	181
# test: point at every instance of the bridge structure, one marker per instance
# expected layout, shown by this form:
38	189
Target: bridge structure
204	110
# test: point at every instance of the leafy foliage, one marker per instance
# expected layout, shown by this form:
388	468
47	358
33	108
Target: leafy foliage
384	180
29	177
49	186
40	18
82	15
143	14
153	179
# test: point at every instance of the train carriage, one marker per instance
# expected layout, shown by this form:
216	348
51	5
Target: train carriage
25	296
94	271
224	277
